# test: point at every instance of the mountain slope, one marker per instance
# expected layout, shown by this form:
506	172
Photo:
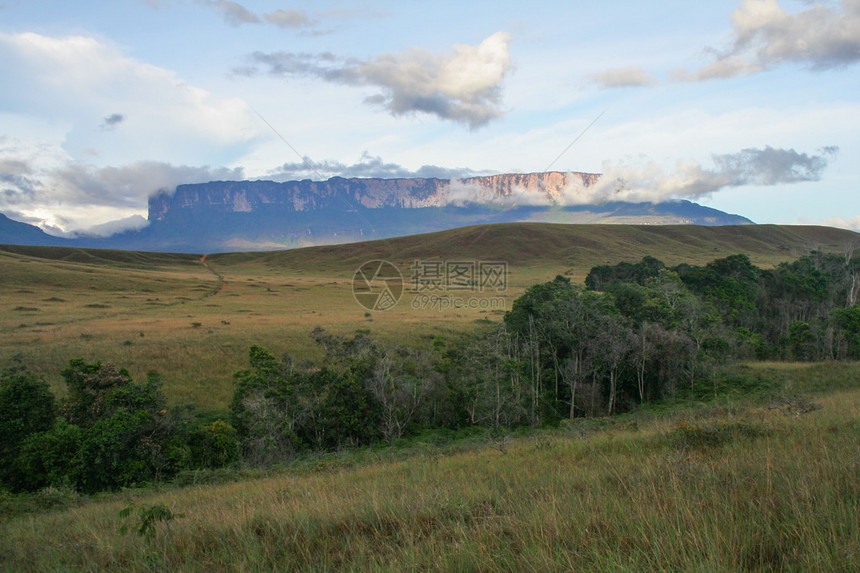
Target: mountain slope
561	247
14	232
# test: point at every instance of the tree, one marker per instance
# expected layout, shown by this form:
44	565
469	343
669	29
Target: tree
266	409
26	408
401	380
846	322
801	340
214	445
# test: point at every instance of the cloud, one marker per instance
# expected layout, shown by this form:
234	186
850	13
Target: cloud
690	180
16	184
651	183
234	14
113	120
132	223
463	86
367	166
728	67
623	77
822	37
86	194
129	185
851	223
288	19
68	82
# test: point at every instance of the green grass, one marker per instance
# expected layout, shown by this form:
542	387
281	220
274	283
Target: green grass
727	486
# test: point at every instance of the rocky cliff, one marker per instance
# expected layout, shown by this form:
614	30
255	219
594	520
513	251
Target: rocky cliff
343	194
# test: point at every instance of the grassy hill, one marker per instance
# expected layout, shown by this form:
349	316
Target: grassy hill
575	247
193	319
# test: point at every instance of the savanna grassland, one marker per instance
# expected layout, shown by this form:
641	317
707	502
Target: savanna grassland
765	480
193	320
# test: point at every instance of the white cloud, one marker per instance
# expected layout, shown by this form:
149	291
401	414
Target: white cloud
132	223
648	182
77	195
821	37
79	83
851	223
690	180
464	86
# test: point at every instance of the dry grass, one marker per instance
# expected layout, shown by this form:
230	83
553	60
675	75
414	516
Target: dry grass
781	495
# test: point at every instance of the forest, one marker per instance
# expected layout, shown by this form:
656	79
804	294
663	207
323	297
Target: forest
635	333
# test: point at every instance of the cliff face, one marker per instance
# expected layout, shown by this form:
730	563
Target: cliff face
343	194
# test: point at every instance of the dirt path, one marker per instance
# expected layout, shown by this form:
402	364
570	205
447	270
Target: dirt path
221	281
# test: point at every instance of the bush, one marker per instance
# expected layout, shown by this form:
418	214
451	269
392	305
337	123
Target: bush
113	433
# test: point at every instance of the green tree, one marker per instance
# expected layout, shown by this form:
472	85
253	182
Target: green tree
846	322
26	408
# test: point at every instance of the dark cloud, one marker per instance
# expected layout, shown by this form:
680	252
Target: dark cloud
367	166
770	166
464	86
822	37
113	120
16	182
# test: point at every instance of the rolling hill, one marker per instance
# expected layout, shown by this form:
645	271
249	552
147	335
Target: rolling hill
563	247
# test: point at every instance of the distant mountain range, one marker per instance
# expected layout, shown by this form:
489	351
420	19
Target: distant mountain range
222	216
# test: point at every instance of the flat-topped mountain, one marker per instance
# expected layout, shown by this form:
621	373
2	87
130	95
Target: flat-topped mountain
517	189
224	216
261	215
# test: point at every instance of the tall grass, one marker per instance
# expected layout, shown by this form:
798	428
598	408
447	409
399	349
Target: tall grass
722	489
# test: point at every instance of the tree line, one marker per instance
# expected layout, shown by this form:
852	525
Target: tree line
634	333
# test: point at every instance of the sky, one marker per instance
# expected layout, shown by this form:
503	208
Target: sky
749	106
